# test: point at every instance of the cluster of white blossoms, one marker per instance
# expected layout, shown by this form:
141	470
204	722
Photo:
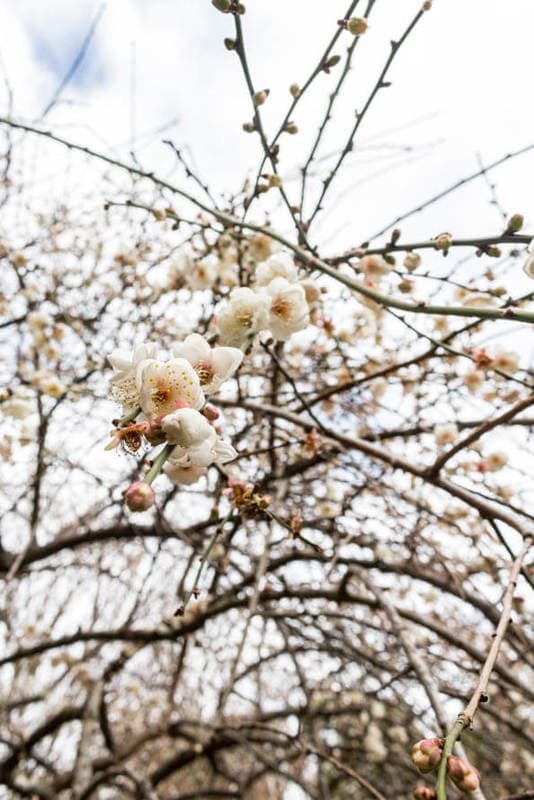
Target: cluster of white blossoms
164	401
277	301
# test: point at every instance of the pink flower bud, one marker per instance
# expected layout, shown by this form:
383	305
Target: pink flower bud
211	413
462	774
139	496
426	754
424	793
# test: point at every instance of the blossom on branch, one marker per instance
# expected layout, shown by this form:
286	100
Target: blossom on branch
164	385
212	365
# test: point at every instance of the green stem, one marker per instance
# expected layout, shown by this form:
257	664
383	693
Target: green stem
203	559
128	417
155	469
448	747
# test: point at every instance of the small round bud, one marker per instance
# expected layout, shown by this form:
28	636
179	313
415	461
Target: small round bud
357	25
290	127
406	286
412	261
259	98
515	223
222	5
294	90
249	127
443	241
139	496
424	793
211	413
427	5
331	62
462	774
159	214
493	251
230	44
426	754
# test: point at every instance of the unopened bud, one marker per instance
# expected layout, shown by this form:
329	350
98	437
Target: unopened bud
406	286
426	754
259	98
249	127
462	774
230	44
493	251
331	62
412	261
139	496
222	5
427	5
211	413
290	127
357	25
515	223
443	241
424	793
294	89
159	214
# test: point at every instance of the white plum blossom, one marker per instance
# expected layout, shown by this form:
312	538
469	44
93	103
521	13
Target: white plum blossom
374	266
446	433
507	362
17	407
187	428
275	267
123	387
311	290
202	274
164	386
288	309
212	365
196	440
241	316
259	247
48	383
37	320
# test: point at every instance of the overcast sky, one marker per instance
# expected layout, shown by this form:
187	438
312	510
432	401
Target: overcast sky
461	87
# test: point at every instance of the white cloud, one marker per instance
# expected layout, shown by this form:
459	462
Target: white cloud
468	63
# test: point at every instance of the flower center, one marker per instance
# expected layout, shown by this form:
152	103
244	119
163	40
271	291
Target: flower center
281	308
161	397
204	371
245	319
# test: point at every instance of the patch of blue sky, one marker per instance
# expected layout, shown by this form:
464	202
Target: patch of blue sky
57	48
